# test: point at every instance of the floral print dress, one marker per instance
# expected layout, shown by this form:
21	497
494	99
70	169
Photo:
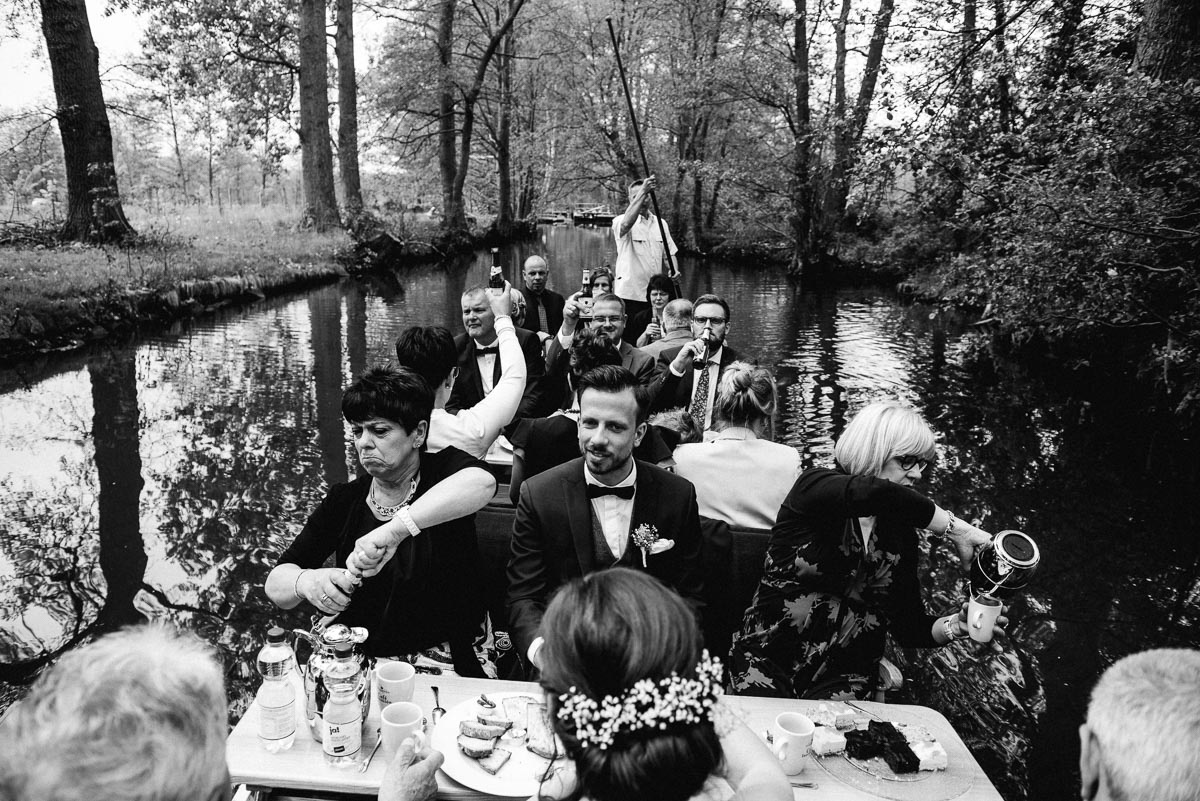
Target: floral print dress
819	619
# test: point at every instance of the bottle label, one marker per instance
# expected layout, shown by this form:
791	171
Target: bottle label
277	722
343	739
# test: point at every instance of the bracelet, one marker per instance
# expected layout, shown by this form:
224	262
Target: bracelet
950	532
950	629
405	517
296	586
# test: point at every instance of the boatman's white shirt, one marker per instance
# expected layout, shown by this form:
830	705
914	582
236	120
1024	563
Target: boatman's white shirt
639	256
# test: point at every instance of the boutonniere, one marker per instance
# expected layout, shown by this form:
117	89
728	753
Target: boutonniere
646	538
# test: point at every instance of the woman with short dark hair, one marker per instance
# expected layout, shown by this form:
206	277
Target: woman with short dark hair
402	536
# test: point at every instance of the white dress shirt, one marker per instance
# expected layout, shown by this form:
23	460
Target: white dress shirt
614	514
474	430
714	369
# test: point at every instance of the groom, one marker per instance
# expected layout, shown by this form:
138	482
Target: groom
598	511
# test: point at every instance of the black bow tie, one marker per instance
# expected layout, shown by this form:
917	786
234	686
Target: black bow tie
597	491
494	350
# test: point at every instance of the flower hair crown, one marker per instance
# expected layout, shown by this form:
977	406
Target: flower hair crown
646	705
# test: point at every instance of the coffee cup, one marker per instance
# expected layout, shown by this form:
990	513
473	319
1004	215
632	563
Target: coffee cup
982	612
792	739
398	722
395	682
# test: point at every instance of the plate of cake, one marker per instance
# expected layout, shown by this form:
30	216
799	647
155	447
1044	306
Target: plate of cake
499	744
897	758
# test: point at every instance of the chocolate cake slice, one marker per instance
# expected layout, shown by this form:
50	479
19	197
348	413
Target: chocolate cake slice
881	739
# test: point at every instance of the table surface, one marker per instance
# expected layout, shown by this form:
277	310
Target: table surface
303	766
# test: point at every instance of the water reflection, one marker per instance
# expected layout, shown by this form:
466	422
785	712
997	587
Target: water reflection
162	479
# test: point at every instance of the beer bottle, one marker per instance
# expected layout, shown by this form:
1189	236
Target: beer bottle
496	279
585	295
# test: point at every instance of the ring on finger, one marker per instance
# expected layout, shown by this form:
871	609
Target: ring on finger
325	598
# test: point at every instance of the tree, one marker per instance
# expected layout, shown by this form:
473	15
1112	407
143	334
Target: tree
347	81
316	153
1168	45
94	211
456	117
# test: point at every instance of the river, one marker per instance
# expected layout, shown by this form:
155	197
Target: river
160	478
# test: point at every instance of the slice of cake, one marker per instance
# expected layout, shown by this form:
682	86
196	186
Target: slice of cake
474	747
482	731
931	754
495	760
540	738
493	719
827	740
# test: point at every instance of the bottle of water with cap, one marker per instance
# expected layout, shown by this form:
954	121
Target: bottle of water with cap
276	696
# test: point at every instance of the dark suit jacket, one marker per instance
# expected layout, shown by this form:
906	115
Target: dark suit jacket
468	387
672	391
554	309
635	361
552	540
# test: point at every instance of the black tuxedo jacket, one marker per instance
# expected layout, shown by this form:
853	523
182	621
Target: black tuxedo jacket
672	391
468	387
552	540
554	303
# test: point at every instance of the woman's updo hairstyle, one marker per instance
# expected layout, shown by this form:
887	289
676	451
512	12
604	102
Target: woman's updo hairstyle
746	396
604	633
590	349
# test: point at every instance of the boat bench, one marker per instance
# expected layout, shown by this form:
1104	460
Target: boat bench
733	562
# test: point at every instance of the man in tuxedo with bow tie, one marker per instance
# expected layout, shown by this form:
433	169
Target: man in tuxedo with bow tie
583	516
685	377
479	365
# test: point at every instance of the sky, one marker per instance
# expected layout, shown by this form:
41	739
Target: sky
25	69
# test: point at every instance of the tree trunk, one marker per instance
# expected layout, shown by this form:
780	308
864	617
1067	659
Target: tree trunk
453	217
1004	69
504	219
94	209
316	153
115	436
1168	46
801	190
183	181
343	49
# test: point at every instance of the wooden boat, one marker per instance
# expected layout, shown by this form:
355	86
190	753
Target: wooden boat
554	217
596	215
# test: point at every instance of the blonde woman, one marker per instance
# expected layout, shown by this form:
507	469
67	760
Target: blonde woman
841	566
740	475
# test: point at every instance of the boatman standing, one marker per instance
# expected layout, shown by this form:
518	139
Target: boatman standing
639	247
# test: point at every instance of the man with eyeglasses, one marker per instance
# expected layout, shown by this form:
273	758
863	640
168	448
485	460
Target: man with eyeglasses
689	375
608	318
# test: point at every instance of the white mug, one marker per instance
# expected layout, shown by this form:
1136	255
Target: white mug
398	722
982	612
792	740
395	682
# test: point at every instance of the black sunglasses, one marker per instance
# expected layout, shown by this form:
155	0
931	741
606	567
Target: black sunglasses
909	462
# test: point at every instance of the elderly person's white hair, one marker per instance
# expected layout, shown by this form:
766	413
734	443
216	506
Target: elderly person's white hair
880	431
1142	737
138	715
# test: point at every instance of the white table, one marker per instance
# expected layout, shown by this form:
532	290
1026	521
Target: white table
303	768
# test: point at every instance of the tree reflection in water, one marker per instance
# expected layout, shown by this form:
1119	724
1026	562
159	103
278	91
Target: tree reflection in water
162	480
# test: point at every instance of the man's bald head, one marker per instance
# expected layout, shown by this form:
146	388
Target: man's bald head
677	315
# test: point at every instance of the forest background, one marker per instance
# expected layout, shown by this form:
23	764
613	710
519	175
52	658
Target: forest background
1033	160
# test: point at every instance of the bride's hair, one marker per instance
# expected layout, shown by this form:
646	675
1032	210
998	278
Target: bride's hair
604	633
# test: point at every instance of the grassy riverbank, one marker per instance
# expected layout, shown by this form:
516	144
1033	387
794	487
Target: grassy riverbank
185	261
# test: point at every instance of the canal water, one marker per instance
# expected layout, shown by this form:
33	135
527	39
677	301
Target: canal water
161	479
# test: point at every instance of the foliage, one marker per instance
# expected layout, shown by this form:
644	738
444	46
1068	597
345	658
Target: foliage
1090	231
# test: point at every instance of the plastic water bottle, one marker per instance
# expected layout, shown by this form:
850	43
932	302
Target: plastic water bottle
277	695
343	727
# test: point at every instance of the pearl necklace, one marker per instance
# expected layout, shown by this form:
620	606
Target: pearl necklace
388	512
